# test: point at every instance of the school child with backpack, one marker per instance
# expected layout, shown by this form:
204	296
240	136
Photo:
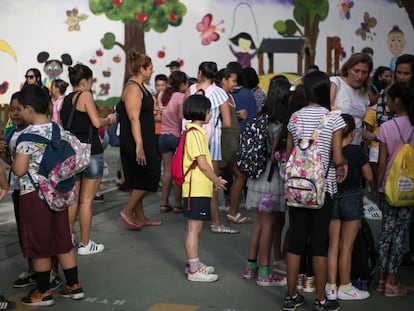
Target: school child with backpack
269	186
44	233
313	223
346	218
199	184
7	148
396	137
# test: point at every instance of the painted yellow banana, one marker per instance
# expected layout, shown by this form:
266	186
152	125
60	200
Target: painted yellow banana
7	49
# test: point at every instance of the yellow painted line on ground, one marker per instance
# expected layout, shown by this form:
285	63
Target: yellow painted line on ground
172	307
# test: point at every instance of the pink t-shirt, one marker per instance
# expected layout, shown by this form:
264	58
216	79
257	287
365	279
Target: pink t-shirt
388	133
57	105
169	117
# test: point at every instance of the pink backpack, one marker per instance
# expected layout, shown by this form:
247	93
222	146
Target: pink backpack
177	173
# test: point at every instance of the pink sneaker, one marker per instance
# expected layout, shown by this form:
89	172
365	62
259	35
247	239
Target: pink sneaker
249	274
271	280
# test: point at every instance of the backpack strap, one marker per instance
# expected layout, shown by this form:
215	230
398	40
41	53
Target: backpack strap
190	168
399	132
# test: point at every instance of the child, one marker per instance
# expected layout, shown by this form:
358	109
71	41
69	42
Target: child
247	49
4	187
312	223
57	92
44	233
395	220
346	218
198	185
270	182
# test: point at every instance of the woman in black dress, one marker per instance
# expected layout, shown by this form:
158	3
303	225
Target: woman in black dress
138	148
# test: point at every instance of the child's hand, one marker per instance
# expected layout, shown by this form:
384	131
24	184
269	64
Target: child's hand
3	193
3	146
220	183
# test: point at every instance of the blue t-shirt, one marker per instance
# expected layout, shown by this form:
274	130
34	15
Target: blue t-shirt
356	160
244	99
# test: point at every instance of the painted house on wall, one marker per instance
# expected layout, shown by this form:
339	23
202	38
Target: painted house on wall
100	32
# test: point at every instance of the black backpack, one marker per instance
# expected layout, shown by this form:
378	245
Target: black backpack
364	254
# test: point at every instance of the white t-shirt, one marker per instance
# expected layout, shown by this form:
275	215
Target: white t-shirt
351	101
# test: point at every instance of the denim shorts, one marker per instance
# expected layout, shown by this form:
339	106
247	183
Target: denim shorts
348	205
167	143
95	168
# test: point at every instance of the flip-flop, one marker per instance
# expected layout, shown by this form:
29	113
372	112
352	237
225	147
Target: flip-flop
152	223
129	225
177	210
238	219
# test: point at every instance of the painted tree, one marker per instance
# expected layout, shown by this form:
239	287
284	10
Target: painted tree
409	7
307	14
138	17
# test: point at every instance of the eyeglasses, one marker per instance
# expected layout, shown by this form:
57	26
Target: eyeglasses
29	76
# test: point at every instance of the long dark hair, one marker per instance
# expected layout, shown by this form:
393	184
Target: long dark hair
317	88
405	92
174	83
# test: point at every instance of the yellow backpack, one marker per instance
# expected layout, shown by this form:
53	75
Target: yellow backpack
399	186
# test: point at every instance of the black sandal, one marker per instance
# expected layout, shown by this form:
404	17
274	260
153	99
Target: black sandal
165	209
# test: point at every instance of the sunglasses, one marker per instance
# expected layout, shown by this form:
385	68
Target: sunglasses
29	76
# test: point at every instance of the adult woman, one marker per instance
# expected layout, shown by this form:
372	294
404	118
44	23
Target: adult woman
169	101
84	124
138	147
349	90
33	76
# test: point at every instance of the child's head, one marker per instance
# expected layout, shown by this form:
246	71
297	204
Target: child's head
197	108
177	82
80	74
244	41
227	79
161	82
33	76
349	125
404	69
207	71
58	87
317	88
277	99
34	99
382	77
16	111
251	77
238	69
400	98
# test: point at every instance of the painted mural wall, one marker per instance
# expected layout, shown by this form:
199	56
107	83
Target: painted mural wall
98	32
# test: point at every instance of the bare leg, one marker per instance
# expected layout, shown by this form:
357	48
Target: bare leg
73	209
192	237
293	263
236	190
349	231
215	215
87	194
333	250
319	269
277	235
255	237
266	235
166	178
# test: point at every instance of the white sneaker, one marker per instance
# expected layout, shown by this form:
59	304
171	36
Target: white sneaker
209	269
201	275
90	248
331	294
352	293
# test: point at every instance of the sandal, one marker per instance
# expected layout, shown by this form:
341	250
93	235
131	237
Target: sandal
380	286
165	209
177	210
397	290
223	229
238	219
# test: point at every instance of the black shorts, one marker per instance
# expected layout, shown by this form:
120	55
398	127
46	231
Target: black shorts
313	224
197	208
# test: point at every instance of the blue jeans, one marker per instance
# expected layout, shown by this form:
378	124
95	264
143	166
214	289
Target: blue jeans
95	168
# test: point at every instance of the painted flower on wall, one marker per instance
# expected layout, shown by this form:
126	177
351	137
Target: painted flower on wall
345	9
74	18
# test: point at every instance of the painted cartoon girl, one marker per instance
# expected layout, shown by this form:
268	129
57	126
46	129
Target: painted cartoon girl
246	46
396	44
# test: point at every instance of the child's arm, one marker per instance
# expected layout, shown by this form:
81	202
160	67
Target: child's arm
382	163
219	183
20	164
369	177
3	183
4	155
341	163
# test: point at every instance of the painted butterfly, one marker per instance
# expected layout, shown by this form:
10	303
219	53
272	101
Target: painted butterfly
208	32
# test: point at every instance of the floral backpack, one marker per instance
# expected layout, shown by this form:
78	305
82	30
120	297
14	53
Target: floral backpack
305	176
